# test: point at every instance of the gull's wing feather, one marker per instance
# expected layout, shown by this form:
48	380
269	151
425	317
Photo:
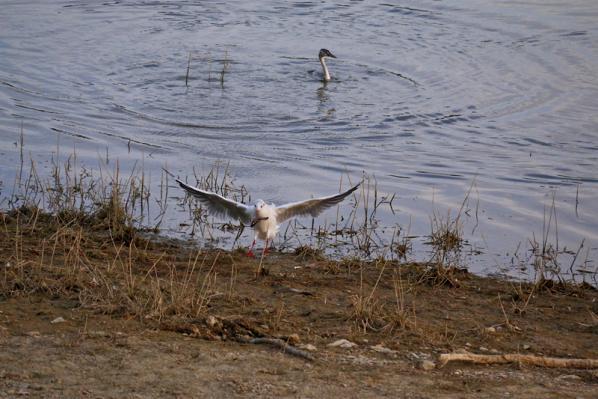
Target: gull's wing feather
219	205
311	207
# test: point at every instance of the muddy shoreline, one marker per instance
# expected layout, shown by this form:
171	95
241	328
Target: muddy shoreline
86	312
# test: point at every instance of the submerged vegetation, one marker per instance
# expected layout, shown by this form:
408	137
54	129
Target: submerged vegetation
207	59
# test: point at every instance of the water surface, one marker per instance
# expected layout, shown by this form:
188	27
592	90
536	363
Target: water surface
426	96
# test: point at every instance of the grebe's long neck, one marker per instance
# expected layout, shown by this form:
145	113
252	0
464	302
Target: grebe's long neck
325	70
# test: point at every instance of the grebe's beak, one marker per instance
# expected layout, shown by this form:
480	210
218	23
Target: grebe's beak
331	55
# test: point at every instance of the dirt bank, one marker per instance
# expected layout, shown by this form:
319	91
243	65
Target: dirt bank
86	314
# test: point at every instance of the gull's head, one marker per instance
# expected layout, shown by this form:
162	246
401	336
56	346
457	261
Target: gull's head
259	205
325	54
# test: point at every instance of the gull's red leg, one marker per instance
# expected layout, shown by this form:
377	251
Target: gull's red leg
250	252
265	250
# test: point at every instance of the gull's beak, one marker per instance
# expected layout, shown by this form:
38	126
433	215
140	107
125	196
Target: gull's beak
257	220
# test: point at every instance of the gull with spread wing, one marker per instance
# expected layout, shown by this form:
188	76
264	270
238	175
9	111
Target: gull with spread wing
264	218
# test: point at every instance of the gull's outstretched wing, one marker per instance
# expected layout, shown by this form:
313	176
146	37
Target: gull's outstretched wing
219	205
311	207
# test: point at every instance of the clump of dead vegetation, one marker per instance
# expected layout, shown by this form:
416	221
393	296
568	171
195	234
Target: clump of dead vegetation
206	62
372	312
446	240
557	268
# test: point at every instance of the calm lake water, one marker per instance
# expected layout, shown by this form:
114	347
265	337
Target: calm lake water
427	96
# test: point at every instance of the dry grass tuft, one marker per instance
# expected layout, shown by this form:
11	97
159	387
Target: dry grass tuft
401	316
367	309
305	252
439	276
446	234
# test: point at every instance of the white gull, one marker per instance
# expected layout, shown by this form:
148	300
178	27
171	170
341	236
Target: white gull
264	218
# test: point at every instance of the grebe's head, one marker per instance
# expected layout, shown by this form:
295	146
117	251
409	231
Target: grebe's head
325	53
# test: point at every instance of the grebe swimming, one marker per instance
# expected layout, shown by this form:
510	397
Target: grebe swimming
322	56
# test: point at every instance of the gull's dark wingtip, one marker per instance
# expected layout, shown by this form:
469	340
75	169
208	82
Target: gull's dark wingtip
188	188
348	192
181	183
355	187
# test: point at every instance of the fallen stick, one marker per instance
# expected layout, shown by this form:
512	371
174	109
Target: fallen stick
541	361
279	343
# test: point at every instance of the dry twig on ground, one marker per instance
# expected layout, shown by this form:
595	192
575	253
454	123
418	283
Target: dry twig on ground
542	361
279	343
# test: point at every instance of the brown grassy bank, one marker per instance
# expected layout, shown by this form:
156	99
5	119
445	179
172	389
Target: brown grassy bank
105	281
